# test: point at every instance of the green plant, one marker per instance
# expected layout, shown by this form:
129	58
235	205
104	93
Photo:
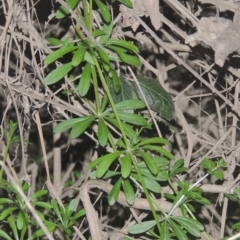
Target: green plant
10	136
136	162
16	216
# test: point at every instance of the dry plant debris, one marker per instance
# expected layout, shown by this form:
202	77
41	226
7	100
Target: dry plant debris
221	34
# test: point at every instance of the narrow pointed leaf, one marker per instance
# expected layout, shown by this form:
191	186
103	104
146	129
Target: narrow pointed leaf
108	157
98	32
4	235
160	150
132	118
155	140
67	124
125	57
113	195
80	127
78	56
151	184
7	212
115	81
127	3
103	10
108	29
58	73
126	165
13	226
104	57
130	105
127	129
142	227
85	80
63	12
52	57
123	44
103	167
54	41
129	192
180	234
165	235
88	58
191	225
149	162
102	132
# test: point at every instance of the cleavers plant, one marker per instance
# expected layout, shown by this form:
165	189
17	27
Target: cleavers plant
134	161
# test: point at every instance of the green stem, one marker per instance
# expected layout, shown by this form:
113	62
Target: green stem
95	86
5	153
106	89
150	202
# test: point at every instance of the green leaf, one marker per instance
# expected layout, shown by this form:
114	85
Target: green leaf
103	167
7	212
126	58
126	165
88	58
52	57
180	234
13	226
85	80
57	210
115	80
78	56
108	157
63	12
103	10
43	205
218	175
109	174
129	192
80	127
132	118
154	140
79	214
113	195
54	41
127	3
4	235
160	150
177	167
98	32
38	194
126	91
151	184
20	220
208	164
127	129
191	225
132	104
149	161
123	44
58	73
158	99
165	235
67	124
102	132
108	29
6	200
161	161
104	57
142	227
